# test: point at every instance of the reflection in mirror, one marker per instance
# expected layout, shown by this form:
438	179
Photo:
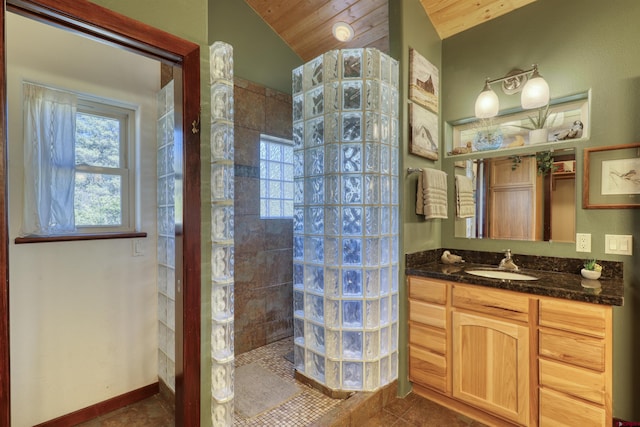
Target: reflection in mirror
519	197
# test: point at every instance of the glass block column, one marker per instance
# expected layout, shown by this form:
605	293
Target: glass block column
345	249
222	179
166	237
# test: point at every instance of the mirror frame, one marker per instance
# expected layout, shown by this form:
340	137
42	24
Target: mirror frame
104	25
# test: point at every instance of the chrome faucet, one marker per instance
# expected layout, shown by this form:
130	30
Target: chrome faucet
507	262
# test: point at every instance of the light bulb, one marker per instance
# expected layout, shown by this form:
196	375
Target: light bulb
487	104
535	93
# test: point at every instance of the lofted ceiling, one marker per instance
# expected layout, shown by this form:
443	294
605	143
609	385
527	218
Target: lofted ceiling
305	25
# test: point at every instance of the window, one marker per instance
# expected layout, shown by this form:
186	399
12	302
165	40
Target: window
276	177
78	153
102	192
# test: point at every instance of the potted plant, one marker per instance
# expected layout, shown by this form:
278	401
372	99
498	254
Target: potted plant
536	126
591	270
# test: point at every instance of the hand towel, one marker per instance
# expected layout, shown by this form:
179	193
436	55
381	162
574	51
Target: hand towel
431	195
419	197
465	203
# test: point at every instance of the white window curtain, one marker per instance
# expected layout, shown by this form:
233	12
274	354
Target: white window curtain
49	160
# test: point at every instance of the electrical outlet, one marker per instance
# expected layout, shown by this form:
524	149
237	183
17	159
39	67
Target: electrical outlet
583	242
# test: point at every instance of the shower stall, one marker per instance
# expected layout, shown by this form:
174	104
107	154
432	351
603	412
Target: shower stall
345	248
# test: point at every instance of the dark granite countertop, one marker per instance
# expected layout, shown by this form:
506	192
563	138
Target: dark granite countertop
552	283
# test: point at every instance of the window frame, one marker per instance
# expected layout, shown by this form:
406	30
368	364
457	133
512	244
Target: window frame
270	139
127	118
129	227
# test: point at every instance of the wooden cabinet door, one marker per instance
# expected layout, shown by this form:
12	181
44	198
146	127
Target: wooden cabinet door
491	365
512	200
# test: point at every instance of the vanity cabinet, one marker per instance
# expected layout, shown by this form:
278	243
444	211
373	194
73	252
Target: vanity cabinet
510	358
490	336
428	330
575	363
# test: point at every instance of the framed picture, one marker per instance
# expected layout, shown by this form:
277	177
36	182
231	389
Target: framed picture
423	81
423	139
611	177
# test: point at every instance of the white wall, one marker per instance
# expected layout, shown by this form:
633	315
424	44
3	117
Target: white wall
83	314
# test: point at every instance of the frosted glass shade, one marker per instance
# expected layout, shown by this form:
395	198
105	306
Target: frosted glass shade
535	93
487	104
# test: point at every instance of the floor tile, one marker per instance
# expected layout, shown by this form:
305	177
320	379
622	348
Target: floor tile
302	410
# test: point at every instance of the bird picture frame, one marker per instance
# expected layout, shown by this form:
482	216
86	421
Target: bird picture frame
611	178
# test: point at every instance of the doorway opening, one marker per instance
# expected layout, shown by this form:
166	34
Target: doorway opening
98	23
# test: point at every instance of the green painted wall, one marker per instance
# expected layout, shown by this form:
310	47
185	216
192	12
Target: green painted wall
410	27
259	54
578	45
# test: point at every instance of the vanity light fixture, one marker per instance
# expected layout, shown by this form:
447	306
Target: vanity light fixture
535	92
343	31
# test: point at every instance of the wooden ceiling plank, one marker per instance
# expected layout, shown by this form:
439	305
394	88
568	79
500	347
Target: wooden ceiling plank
313	9
272	10
464	15
323	22
433	6
326	15
377	18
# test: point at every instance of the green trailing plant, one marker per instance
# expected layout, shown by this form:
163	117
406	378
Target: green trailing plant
515	162
545	162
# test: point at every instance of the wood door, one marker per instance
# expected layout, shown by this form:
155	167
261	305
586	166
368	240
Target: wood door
512	199
491	365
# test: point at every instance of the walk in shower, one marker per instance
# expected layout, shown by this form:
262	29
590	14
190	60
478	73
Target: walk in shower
345	249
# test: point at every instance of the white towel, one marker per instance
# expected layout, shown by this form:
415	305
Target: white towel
465	203
431	194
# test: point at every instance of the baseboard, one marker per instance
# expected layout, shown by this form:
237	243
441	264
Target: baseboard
104	407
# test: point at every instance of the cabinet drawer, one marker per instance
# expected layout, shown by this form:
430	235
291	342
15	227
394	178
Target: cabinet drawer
429	314
427	290
559	410
578	382
574	349
505	304
429	338
572	316
427	368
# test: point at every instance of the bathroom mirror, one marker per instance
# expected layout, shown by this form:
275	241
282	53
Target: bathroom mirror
518	197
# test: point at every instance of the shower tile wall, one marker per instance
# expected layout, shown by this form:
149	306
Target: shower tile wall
166	240
263	248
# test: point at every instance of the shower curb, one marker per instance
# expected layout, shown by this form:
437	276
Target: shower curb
358	408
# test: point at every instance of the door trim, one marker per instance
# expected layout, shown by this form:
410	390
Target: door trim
104	25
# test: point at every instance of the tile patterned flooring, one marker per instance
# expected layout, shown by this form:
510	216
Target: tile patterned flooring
302	410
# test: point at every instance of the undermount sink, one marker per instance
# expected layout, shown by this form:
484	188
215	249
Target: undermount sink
501	274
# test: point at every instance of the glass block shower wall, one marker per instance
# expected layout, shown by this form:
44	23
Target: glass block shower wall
166	237
345	249
222	285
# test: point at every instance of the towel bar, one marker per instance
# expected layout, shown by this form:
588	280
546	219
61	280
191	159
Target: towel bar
414	170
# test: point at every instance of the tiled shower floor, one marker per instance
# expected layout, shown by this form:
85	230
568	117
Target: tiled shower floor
303	409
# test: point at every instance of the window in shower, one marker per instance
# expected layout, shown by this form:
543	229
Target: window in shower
276	177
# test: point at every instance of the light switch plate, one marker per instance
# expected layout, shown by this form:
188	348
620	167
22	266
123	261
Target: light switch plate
618	244
137	248
583	242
